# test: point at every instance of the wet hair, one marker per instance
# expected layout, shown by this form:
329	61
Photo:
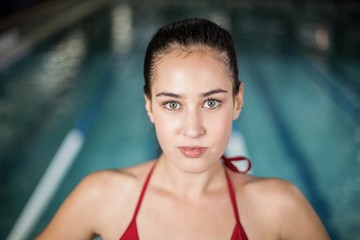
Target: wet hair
185	36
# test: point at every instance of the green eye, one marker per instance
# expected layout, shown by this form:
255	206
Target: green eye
171	105
212	103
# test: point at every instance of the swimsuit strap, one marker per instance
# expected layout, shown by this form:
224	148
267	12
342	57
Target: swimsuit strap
232	198
229	162
143	191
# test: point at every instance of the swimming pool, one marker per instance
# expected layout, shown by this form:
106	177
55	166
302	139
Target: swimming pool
82	86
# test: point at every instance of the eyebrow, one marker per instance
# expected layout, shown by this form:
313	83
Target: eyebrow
169	94
211	92
206	94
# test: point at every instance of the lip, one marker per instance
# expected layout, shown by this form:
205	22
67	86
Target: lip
192	151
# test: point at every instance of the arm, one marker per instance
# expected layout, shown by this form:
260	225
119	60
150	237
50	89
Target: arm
75	218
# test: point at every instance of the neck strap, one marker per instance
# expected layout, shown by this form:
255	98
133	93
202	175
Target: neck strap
143	190
230	163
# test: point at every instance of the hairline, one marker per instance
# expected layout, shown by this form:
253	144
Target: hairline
181	50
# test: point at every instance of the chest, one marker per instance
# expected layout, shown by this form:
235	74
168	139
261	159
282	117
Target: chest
168	218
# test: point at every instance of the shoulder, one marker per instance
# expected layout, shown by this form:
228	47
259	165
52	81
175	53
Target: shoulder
279	206
277	190
121	179
117	185
277	198
106	187
280	194
90	207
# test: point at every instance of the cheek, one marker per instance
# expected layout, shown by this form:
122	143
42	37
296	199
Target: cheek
219	127
165	127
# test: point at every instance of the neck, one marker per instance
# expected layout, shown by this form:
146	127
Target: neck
190	185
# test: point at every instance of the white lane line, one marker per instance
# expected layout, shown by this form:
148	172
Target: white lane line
236	147
47	186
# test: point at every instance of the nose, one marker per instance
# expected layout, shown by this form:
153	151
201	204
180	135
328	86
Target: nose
192	126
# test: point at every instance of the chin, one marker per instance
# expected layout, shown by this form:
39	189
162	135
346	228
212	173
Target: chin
195	165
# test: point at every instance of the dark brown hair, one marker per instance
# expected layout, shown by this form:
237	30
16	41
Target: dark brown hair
188	33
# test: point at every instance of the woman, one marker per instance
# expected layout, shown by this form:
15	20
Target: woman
192	95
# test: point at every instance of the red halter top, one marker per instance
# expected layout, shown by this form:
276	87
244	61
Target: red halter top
131	232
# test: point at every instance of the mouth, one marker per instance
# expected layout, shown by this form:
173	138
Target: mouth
192	151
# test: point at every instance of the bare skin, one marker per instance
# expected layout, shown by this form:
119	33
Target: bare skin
268	208
187	197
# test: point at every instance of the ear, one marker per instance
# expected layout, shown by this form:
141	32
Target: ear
238	101
149	108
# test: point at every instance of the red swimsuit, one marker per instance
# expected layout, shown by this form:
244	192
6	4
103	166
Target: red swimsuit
131	232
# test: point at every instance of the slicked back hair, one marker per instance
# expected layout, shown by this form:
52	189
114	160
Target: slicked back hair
185	35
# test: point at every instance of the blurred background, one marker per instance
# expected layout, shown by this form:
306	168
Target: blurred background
71	98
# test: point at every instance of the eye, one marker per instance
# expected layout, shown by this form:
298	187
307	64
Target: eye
211	103
171	105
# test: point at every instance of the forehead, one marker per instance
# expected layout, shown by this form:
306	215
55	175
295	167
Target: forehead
178	50
199	67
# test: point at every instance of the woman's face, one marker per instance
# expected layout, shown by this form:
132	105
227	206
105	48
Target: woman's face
192	108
